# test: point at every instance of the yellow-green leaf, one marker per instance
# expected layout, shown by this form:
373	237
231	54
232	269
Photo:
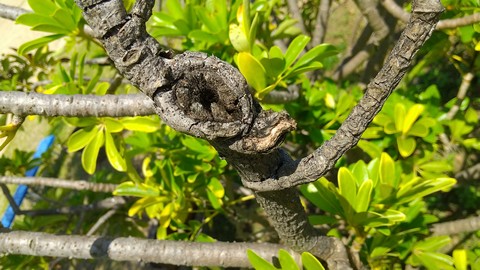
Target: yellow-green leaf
286	260
116	160
363	196
387	170
460	259
406	146
145	124
412	115
310	262
252	70
130	188
399	116
80	138
347	185
112	125
238	38
90	153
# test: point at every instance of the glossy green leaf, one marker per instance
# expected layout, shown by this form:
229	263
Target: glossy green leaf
317	53
42	6
273	66
112	125
303	69
253	30
387	170
216	187
419	130
360	172
412	115
113	155
363	196
370	148
406	146
424	188
238	38
252	70
310	262
166	215
322	194
38	43
130	188
140	123
400	113
65	20
286	260
347	185
295	48
258	262
214	200
283	27
433	243
90	153
80	138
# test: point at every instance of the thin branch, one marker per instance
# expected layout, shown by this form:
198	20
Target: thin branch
323	159
461	94
135	249
399	13
321	22
10	200
101	221
293	7
58	183
11	13
31	103
466	225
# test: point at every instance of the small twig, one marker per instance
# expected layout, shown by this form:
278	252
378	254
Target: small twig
399	13
293	7
58	183
10	200
321	22
101	221
462	92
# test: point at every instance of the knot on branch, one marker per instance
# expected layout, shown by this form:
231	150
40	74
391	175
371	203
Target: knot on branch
207	98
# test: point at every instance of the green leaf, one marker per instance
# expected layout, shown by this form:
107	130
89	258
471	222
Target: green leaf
258	262
321	219
112	125
322	194
130	188
387	170
419	130
116	160
295	48
370	148
296	71
65	20
80	138
252	70
310	262
412	115
140	123
433	243
214	200
363	196
33	19
286	260
90	153
37	43
360	172
424	188
347	185
460	259
406	146
399	116
42	6
216	187
238	38
273	66
317	53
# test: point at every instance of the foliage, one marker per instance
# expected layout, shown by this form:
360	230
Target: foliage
381	199
285	261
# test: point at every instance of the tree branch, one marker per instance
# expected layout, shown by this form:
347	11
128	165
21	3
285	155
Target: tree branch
321	22
31	103
312	167
470	224
135	249
399	13
58	183
11	13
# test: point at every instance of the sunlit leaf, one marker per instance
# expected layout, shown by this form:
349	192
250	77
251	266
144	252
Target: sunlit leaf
295	48
252	70
363	196
90	153
113	155
406	146
144	124
80	138
310	262
258	262
412	115
286	260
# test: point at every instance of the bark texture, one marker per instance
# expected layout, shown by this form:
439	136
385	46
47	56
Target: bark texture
134	249
206	97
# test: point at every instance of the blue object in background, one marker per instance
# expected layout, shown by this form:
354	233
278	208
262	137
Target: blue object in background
21	191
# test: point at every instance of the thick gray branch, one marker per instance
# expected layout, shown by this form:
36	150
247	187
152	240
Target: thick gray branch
310	168
58	183
134	249
31	103
470	224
